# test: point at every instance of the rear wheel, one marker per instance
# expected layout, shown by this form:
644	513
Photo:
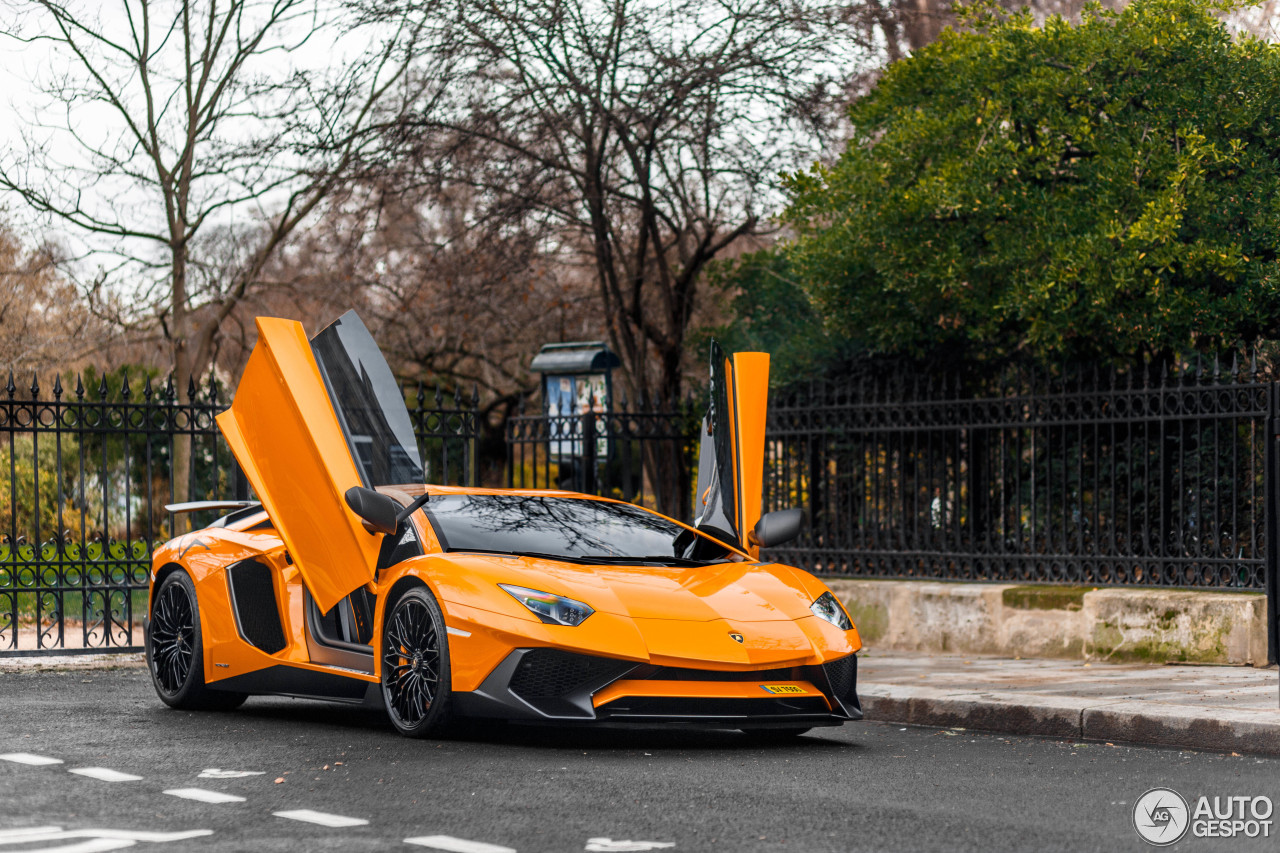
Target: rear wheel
175	652
415	665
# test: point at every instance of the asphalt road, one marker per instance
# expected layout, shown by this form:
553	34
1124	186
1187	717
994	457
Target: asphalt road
866	786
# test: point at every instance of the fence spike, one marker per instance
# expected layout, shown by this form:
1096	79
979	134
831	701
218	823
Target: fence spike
168	387
213	387
124	385
191	388
102	387
79	387
475	395
1235	364
1253	363
146	390
1216	371
35	387
11	388
439	394
457	396
57	387
1199	367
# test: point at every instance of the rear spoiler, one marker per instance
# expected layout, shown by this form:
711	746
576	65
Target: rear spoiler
196	506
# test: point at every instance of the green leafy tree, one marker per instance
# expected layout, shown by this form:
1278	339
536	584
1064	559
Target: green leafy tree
1102	190
37	482
771	313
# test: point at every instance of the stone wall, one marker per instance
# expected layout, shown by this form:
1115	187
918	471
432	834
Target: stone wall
1104	624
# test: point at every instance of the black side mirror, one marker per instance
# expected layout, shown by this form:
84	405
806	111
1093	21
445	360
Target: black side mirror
776	528
378	512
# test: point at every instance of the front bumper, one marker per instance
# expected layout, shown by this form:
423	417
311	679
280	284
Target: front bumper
552	686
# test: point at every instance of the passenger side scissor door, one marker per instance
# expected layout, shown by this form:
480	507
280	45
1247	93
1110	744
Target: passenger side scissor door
730	490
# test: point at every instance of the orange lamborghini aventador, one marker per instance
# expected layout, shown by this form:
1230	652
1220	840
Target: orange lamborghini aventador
353	580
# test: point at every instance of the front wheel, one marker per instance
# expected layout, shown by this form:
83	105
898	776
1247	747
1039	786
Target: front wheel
175	653
415	665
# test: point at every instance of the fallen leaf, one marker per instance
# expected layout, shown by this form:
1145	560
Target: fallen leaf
279	779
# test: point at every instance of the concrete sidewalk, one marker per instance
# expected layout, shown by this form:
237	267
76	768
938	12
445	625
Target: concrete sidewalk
1232	708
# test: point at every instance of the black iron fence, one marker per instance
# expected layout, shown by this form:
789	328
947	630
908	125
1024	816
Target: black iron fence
1152	478
84	477
645	456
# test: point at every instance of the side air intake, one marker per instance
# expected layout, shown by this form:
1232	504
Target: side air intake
253	597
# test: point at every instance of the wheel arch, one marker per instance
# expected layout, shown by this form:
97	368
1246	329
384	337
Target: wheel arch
161	574
404	583
400	587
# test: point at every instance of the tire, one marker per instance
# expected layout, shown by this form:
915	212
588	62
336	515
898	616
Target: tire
175	650
774	735
415	665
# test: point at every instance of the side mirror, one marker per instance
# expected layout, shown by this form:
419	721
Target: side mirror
378	512
776	528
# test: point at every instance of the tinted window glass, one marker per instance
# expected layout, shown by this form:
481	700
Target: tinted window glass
564	527
368	403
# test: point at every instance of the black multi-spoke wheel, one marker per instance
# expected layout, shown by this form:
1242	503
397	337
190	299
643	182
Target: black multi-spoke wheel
174	649
415	664
173	635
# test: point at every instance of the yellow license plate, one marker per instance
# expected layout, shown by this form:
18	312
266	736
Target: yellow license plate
782	688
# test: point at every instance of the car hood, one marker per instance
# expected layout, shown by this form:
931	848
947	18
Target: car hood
672	614
741	592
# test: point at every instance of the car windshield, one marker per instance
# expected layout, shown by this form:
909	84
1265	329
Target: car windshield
575	529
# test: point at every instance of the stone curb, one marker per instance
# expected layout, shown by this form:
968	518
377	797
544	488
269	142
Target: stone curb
41	663
1151	723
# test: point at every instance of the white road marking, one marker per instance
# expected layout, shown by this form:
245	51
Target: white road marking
104	774
28	758
96	840
215	773
203	796
457	632
457	845
13	836
322	818
608	845
93	845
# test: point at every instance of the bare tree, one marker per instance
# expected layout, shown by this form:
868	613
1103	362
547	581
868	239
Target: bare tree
46	325
458	299
165	121
648	136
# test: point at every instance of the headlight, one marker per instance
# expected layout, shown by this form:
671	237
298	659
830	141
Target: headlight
552	609
826	607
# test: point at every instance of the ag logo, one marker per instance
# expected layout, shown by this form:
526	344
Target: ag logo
737	638
1161	816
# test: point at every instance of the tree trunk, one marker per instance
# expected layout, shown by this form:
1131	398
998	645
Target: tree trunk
180	470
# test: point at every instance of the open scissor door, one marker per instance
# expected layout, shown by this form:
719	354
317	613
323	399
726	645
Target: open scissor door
730	495
310	420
